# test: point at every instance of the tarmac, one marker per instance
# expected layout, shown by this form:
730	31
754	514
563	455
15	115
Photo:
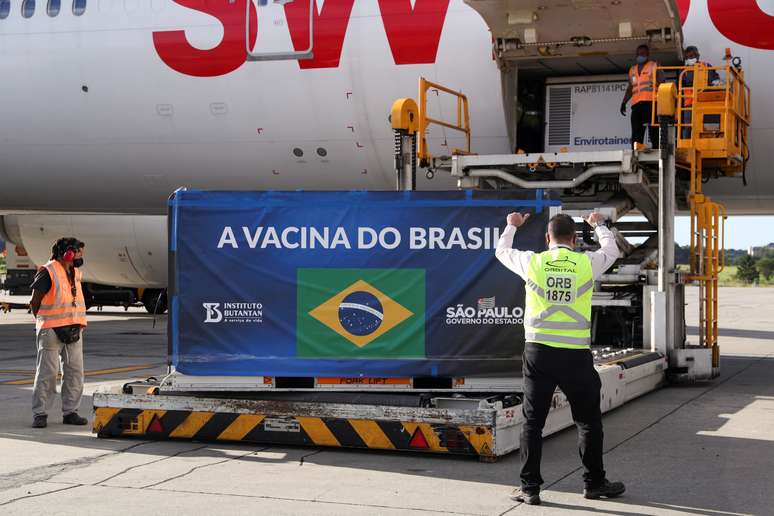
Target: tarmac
702	449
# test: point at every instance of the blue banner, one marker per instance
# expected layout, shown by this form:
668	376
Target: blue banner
347	284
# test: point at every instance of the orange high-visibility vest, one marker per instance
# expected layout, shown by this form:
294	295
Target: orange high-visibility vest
56	308
643	83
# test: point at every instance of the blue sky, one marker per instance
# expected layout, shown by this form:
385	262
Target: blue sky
741	232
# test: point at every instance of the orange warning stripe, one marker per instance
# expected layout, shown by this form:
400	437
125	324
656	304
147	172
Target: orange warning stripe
298	430
371	434
318	431
241	426
192	424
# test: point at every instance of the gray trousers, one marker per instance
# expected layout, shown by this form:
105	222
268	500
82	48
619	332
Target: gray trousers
50	349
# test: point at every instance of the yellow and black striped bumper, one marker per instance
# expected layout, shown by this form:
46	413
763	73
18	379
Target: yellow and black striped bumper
294	430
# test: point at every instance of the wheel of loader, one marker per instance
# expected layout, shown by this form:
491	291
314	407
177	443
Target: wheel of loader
154	301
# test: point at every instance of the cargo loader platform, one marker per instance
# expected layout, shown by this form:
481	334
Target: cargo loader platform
486	426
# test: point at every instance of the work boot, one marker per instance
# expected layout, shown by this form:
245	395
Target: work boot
606	489
40	421
530	498
74	419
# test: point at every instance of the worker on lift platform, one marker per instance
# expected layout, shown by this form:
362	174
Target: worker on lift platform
713	79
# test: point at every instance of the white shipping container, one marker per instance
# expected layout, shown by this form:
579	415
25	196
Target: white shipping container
582	114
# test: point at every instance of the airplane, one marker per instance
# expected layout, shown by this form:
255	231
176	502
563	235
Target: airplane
108	106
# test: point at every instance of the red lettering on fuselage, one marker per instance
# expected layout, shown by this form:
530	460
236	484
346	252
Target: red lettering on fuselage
414	34
743	22
684	6
330	27
174	49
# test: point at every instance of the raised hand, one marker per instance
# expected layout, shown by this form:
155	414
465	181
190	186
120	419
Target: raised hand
517	219
595	219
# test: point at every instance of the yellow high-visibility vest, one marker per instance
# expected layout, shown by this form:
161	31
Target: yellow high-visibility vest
560	283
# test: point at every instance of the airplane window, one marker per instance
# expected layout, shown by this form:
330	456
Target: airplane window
53	7
28	8
79	7
5	9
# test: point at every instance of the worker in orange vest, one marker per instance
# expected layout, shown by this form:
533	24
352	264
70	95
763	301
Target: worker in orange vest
60	316
713	79
643	83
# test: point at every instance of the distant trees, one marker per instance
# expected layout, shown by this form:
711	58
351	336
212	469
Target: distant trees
746	269
766	267
683	255
734	255
749	269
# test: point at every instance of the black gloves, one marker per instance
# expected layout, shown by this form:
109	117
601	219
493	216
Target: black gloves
623	108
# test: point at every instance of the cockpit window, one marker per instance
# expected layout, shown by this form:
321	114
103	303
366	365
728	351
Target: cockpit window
28	8
53	7
5	9
79	7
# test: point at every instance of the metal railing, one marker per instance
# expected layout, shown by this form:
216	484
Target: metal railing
707	262
701	99
463	119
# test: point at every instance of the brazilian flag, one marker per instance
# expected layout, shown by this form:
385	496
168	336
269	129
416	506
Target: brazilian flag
360	313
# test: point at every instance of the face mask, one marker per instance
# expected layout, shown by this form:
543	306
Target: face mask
690	62
77	262
641	59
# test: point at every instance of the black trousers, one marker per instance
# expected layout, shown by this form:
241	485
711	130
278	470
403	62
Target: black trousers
641	116
544	368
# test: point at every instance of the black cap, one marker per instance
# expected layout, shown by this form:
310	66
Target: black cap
61	246
691	48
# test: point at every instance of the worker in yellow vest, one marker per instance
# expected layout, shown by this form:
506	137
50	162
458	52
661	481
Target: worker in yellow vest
557	333
643	83
60	316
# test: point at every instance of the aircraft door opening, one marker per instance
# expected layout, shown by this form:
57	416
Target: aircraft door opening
268	34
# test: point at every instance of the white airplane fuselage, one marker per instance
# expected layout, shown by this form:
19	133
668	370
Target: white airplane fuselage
112	110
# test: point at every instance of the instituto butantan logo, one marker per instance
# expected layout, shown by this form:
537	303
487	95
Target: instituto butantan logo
233	312
213	313
361	313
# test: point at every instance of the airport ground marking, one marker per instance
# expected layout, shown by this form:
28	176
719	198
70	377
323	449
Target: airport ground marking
96	372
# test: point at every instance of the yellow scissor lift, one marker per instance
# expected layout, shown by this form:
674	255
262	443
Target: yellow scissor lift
710	122
711	114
